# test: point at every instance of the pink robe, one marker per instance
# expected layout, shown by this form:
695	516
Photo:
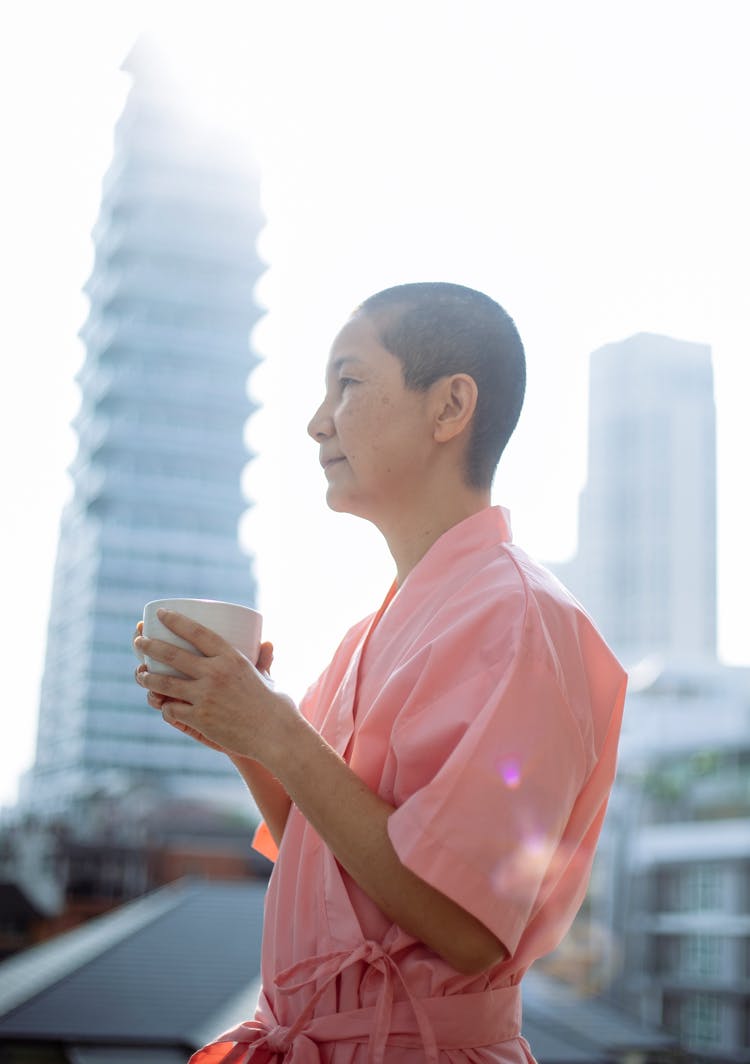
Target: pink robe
482	703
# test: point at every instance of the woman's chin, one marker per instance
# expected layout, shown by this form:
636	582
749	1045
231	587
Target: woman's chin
338	502
341	502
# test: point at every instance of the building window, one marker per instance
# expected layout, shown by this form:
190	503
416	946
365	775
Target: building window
665	954
700	1020
700	955
701	888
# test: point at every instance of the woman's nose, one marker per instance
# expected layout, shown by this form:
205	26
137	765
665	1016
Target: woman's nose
321	424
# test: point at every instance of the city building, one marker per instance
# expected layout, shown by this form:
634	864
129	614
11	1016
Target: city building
646	562
156	481
664	931
57	874
676	856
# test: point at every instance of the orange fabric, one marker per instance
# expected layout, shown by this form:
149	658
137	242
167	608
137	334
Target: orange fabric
263	842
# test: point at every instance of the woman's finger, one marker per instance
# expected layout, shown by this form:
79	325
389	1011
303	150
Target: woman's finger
265	658
202	638
136	634
154	700
167	653
172	687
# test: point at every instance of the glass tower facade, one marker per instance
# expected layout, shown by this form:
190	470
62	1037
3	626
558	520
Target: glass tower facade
646	563
164	401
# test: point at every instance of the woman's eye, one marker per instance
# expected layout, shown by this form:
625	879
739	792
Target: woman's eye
344	382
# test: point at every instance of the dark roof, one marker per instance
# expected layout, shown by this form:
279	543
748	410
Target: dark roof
124	1055
563	1027
16	904
159	971
551	1046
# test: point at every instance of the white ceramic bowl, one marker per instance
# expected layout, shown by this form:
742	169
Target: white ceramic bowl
239	625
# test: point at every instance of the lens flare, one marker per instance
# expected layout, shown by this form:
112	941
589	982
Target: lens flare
509	770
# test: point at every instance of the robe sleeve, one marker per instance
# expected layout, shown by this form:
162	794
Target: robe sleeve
491	771
312	707
263	841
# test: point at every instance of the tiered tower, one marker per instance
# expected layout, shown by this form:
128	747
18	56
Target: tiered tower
157	496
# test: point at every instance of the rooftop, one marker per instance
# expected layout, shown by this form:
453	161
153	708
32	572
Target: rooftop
163	971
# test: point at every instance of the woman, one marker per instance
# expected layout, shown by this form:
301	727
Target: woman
434	803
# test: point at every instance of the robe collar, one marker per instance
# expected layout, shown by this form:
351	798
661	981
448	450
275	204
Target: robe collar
483	530
450	559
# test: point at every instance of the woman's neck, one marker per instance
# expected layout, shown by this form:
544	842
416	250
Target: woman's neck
411	533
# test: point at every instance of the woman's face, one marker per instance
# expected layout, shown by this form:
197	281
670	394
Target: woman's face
374	433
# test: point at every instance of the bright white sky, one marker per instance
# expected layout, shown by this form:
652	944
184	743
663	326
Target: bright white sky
585	163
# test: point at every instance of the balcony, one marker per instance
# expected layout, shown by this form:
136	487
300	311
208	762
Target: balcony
226	341
145	489
690	842
171	228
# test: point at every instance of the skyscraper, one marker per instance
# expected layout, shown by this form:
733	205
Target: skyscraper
157	495
679	874
646	562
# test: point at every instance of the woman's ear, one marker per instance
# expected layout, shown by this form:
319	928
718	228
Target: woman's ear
456	401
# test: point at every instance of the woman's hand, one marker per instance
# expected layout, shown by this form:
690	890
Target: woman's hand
229	704
225	702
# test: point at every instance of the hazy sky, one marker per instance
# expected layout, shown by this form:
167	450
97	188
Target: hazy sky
586	164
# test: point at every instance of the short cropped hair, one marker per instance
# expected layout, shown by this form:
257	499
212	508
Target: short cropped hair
436	329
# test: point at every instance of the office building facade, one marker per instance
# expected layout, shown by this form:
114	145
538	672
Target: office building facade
678	849
646	562
156	481
665	928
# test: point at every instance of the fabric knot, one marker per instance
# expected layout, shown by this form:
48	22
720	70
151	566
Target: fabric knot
278	1039
327	967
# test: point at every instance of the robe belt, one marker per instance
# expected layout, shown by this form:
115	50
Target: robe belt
460	1021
